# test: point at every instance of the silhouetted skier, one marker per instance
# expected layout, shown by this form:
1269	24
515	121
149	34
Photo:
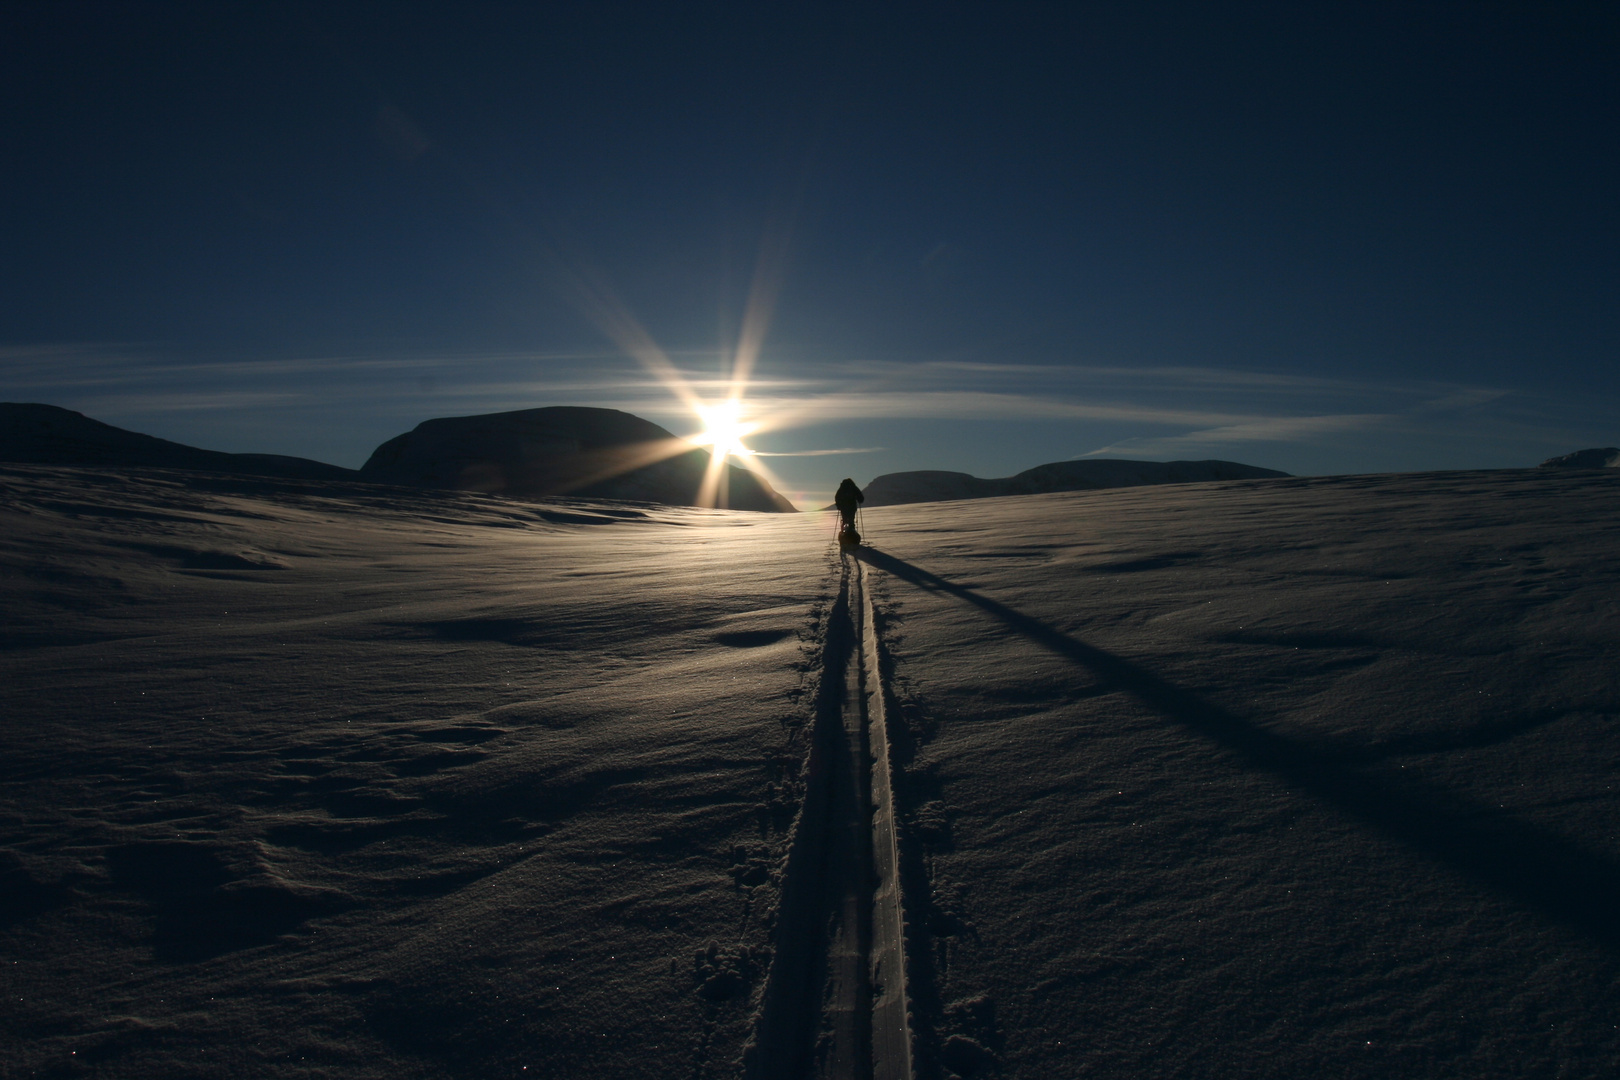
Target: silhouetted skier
848	499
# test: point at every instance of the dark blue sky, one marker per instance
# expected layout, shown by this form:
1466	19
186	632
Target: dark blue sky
1323	238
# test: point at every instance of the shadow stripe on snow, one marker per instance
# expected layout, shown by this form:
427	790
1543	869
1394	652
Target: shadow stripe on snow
1557	877
835	1003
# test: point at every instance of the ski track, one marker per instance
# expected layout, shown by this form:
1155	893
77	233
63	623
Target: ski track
376	784
835	1005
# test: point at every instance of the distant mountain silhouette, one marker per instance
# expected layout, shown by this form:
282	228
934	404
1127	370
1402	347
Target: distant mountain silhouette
1605	457
563	450
893	489
48	435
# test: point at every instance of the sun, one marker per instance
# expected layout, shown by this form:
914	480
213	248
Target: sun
725	429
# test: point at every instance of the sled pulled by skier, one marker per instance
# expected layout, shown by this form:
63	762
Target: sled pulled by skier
848	500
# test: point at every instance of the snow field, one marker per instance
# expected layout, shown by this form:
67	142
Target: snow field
1255	778
415	786
1262	778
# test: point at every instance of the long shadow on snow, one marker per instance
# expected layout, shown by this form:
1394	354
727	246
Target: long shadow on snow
783	1044
1539	869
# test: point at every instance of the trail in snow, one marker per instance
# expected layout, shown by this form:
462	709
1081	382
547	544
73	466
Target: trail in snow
891	1030
1266	779
835	1004
1261	779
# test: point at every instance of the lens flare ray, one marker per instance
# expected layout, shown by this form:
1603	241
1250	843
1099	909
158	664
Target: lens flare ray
726	422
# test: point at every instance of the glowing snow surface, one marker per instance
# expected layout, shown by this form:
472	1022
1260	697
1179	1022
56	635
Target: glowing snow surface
1265	778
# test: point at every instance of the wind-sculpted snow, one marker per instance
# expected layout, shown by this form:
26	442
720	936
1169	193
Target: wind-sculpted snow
1287	778
1258	778
343	779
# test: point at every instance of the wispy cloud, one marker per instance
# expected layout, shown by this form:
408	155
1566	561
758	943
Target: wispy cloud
1275	429
128	378
1092	378
821	453
810	408
102	363
1308	428
141	404
1466	397
1161	411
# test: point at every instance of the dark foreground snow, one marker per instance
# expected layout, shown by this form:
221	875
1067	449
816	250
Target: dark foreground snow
344	781
1284	778
1266	778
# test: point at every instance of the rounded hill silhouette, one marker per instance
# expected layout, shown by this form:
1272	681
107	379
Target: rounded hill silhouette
893	489
562	450
37	434
1599	457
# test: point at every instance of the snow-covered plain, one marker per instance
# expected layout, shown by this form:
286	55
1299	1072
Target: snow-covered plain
1257	778
501	772
1305	777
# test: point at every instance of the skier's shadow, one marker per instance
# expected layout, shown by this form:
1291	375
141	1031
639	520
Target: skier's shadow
1540	869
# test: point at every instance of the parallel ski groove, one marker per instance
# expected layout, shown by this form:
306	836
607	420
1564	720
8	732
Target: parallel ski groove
834	1006
891	1027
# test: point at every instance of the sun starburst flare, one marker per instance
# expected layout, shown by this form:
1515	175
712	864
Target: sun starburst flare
725	429
727	422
